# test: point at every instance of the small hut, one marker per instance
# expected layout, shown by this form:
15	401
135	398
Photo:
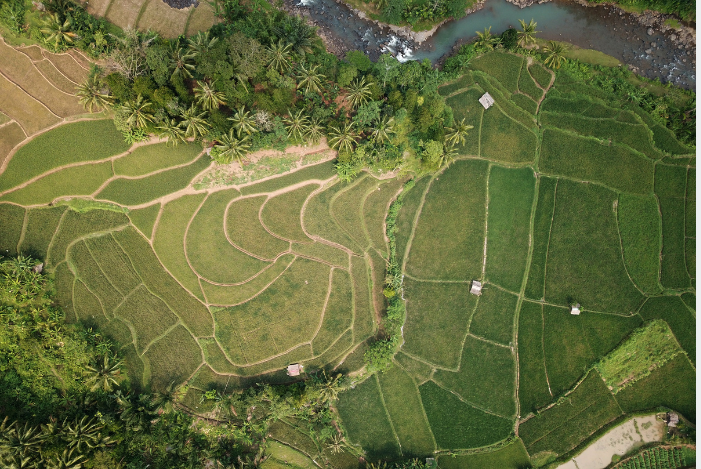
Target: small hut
476	287
295	370
486	100
576	309
672	419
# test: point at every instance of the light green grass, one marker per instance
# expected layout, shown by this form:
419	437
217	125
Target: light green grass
512	456
143	190
375	211
639	224
89	272
63	282
677	315
210	253
504	139
487	377
541	237
584	106
145	218
235	294
503	66
41	226
501	97
525	103
533	391
572	344
338	314
585	251
191	312
448	241
562	427
347	210
588	159
511	193
80	204
245	230
690	221
540	74
527	84
403	404
285	314
169	239
645	350
666	141
405	218
364	323
673	385
322	252
365	418
12	217
75	225
98	139
456	424
149	316
173	358
282	214
420	371
114	263
150	158
282	456
321	171
318	220
437	319
494	316
673	269
78	180
10	136
87	307
636	136
466	106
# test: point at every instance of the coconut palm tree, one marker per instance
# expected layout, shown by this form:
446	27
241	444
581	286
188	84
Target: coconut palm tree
486	41
310	79
58	32
193	122
296	125
457	134
231	148
93	93
280	56
383	129
208	97
164	400
103	374
527	34
556	54
342	139
171	130
137	112
201	43
314	131
297	33
244	122
181	62
329	389
358	93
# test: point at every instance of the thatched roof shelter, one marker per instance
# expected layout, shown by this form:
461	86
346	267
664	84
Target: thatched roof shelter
476	287
486	100
295	370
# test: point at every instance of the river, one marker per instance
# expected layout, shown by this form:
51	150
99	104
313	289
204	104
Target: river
602	28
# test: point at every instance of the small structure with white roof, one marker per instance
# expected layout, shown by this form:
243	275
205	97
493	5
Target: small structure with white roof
476	287
486	100
295	370
576	309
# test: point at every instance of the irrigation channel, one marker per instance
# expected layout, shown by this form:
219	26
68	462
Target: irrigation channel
604	28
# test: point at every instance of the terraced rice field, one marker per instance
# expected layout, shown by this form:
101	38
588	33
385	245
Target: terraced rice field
223	287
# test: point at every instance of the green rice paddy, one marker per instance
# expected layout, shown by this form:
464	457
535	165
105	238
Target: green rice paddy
570	201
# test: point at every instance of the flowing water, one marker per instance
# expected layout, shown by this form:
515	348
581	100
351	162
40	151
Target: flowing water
601	28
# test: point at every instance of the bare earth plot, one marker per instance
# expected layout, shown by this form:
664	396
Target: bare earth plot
223	286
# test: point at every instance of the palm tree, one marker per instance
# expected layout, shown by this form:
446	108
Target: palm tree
329	389
10	461
280	56
103	375
58	32
297	33
193	122
82	434
92	93
310	80
342	139
165	400
457	134
555	51
296	125
201	43
314	131
358	92
208	97
243	122
486	41
21	441
66	461
383	129
527	33
181	62
171	130
231	148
